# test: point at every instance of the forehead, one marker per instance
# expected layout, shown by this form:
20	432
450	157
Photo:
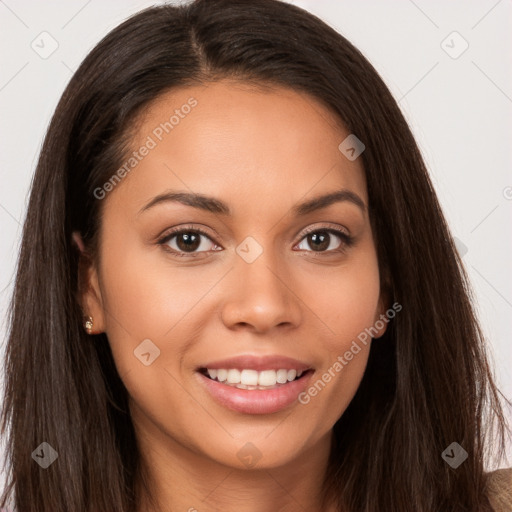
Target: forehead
244	143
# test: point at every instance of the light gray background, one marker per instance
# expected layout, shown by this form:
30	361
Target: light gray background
459	110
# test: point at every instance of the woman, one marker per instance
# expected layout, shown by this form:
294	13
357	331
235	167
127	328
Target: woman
236	287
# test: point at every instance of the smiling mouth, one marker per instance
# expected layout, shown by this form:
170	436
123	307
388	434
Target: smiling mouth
253	380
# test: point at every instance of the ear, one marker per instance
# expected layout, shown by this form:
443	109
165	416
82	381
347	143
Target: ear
89	292
381	320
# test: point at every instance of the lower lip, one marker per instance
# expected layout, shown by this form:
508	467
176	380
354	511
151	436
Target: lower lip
257	401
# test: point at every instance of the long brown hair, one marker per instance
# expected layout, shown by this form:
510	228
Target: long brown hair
428	382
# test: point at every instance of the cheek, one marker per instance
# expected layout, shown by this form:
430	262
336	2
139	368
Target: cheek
349	311
347	301
333	388
348	305
142	297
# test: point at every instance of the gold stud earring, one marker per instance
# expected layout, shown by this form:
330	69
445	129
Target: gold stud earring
88	324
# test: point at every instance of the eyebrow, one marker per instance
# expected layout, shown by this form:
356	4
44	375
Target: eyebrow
213	205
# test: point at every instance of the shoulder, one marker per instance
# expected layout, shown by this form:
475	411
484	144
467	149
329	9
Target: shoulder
499	489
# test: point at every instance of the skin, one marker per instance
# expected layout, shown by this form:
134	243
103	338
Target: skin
261	152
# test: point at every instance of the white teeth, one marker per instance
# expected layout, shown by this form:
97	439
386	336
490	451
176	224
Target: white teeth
233	377
267	378
249	377
252	379
282	376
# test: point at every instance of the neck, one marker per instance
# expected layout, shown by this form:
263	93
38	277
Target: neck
177	478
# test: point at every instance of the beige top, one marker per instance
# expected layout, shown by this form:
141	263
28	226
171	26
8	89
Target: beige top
499	489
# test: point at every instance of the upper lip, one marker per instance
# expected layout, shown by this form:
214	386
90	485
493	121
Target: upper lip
258	363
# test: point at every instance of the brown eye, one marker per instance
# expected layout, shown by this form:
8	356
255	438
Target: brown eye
186	242
325	240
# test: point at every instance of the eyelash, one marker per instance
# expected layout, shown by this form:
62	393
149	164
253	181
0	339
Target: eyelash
347	240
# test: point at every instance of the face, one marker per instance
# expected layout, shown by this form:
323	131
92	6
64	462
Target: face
251	278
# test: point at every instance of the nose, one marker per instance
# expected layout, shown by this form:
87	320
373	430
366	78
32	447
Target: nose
260	296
